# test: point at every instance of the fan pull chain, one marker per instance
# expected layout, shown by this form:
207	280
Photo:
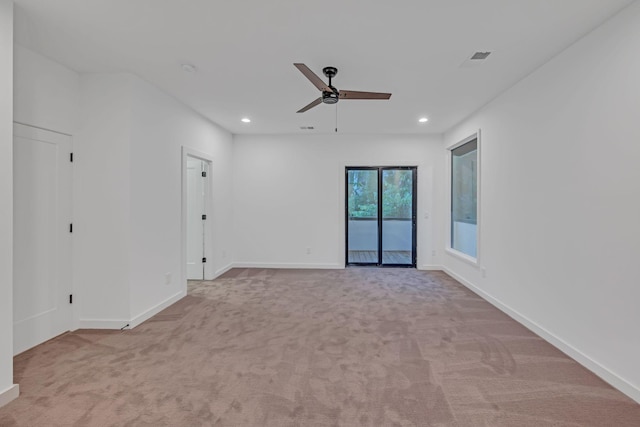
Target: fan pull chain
336	118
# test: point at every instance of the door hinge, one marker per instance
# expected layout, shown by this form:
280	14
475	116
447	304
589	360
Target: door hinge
204	217
204	174
71	157
204	260
70	228
70	298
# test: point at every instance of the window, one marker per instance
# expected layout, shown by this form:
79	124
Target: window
464	197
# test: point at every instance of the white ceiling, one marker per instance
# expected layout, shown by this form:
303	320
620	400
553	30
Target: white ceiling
244	52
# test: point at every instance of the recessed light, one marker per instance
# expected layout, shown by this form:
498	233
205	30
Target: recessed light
245	120
189	68
423	120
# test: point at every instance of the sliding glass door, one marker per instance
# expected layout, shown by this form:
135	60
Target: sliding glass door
398	216
362	216
381	216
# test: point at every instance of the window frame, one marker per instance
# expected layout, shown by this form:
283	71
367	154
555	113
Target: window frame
474	261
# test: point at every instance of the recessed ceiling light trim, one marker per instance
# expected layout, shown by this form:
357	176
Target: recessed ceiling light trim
189	68
423	120
245	120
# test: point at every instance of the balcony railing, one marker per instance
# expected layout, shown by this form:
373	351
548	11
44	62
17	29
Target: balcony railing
396	240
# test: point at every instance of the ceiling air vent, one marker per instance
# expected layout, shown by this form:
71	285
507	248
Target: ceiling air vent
306	127
480	56
475	59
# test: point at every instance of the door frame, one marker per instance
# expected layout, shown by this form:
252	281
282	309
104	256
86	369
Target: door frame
414	218
209	271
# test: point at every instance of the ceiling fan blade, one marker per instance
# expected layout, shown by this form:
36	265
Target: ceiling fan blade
310	106
317	81
354	94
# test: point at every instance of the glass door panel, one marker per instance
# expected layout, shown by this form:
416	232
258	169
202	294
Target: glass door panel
381	216
398	216
362	216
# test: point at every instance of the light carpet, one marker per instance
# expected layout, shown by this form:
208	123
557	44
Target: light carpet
353	347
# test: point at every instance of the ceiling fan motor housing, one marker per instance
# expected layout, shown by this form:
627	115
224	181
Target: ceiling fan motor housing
330	97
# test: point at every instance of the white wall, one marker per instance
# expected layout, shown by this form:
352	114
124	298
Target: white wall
7	390
128	198
101	195
46	93
560	201
289	194
160	127
127	183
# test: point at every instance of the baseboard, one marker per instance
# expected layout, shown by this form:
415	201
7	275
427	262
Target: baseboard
308	266
102	323
430	267
156	309
305	266
288	265
132	323
221	271
9	394
604	373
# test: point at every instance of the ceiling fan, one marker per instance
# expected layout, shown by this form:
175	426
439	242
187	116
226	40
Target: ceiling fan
331	95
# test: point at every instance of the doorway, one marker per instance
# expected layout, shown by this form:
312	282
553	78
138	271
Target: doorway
42	294
380	217
197	194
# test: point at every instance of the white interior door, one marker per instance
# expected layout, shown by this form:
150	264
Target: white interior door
196	208
41	236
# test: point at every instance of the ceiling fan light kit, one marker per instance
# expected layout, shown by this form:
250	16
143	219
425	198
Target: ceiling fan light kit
331	95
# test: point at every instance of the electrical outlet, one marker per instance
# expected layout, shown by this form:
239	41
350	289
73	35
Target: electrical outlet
308	251
224	254
167	278
433	253
483	270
